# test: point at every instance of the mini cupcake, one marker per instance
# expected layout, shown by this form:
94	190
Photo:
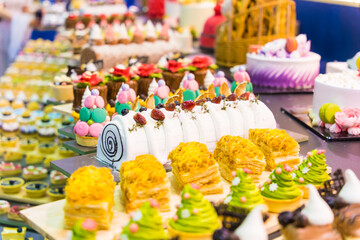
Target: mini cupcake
280	191
9	169
84	229
36	189
314	221
91	80
96	37
116	77
123	35
145	224
195	218
63	88
56	193
241	76
147	72
34	173
57	178
46	129
11	185
161	92
173	73
199	67
93	118
110	36
243	192
9	124
191	88
27	125
219	80
313	170
150	31
125	97
138	36
164	33
4	207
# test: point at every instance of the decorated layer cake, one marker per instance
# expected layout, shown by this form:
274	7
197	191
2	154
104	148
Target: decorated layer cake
284	63
159	131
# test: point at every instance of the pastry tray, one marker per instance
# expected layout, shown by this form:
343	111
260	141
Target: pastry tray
299	114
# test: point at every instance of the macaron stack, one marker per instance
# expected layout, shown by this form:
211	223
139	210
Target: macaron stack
93	118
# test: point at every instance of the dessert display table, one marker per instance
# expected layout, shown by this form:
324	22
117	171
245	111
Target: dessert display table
67	131
48	219
72	145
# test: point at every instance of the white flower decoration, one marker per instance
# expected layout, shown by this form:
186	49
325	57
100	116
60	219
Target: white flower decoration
293	175
273	187
236	181
227	199
137	216
273	177
305	170
185	213
124	237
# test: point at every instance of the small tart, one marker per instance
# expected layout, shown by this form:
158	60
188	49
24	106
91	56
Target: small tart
9	169
36	189
14	212
28	144
13	155
56	193
57	178
9	142
4	207
34	173
47	148
66	153
11	185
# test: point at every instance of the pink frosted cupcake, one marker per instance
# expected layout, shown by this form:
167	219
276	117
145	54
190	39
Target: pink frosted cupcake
110	36
138	36
93	118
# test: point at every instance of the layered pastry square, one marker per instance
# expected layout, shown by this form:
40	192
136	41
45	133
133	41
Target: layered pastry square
89	194
143	179
277	146
233	152
192	162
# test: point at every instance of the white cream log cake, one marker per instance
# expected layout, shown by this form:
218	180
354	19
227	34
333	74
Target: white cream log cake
158	131
342	89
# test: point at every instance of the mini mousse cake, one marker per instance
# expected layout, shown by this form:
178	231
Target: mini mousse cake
34	173
36	189
11	185
9	169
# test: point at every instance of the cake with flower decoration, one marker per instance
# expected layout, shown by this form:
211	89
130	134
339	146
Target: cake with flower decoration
199	66
116	77
243	191
277	146
173	73
93	118
241	76
147	72
145	223
89	194
63	88
284	63
193	163
313	170
91	80
143	179
315	220
191	87
84	229
195	218
233	152
159	131
280	191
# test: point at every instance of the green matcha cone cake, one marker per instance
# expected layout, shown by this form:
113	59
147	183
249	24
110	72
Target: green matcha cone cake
195	219
311	171
280	191
243	191
145	224
84	230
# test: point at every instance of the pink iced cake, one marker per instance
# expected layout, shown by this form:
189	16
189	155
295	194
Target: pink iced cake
284	63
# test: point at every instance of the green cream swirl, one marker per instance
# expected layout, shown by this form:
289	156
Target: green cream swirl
205	220
79	233
315	174
243	186
281	187
149	222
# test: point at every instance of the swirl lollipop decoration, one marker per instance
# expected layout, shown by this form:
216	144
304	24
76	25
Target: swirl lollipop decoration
110	143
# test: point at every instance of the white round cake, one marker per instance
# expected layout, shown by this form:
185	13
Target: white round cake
342	89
